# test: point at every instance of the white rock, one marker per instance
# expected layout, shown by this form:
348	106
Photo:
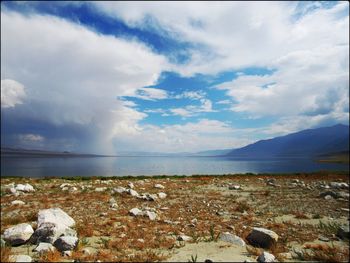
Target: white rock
234	187
135	211
119	190
13	190
328	197
133	192
56	216
266	257
162	195
100	189
20	258
131	185
151	215
73	189
17	202
66	243
44	247
53	223
20	187
29	188
18	234
159	186
25	188
228	237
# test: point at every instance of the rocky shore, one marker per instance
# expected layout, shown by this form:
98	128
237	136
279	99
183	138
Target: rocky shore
227	218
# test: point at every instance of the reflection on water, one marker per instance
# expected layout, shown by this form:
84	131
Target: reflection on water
121	166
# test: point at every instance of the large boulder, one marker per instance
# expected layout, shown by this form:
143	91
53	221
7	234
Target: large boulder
66	243
261	237
53	223
25	188
18	234
55	216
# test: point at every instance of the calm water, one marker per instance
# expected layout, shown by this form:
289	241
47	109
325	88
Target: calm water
120	166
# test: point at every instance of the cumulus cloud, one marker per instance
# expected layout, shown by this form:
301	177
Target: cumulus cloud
12	93
73	77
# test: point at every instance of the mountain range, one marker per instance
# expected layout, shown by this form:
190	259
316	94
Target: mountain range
311	142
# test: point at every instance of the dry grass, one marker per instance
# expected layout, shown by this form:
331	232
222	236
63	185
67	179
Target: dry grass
5	254
300	215
51	256
261	203
325	253
254	250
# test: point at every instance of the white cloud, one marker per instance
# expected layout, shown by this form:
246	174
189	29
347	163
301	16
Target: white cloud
150	94
193	95
193	110
190	137
73	76
12	93
304	84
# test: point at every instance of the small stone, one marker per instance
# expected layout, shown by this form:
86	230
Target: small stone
100	189
67	253
20	258
151	215
119	190
266	257
18	202
133	192
18	234
324	239
141	240
86	251
131	185
135	211
234	187
162	195
184	238
328	197
159	186
228	237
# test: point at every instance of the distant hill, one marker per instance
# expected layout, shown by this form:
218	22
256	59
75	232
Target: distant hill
311	142
19	152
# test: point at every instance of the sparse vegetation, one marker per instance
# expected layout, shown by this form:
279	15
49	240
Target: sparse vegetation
114	235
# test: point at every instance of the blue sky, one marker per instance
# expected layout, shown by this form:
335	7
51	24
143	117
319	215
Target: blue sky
107	77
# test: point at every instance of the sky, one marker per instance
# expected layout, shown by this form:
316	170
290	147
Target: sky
107	77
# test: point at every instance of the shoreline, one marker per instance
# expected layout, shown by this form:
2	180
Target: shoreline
175	176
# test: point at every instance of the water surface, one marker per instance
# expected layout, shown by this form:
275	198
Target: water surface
122	166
